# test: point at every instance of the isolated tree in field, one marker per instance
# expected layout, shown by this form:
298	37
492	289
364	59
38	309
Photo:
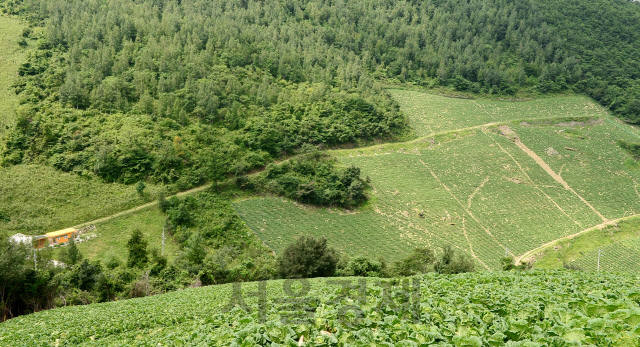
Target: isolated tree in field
137	250
308	257
418	262
140	188
452	263
71	254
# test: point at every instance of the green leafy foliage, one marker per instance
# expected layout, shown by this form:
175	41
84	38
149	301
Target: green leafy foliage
172	94
137	250
70	254
605	54
537	308
311	178
307	257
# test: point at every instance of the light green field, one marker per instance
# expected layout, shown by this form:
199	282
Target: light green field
430	114
114	234
39	199
583	249
477	190
590	162
622	256
11	55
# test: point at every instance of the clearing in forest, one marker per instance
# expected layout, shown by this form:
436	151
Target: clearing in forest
480	190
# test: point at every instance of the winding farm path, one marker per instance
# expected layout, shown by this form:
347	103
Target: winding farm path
142	207
527	256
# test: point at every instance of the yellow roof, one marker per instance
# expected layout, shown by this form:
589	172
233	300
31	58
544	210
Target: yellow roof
61	232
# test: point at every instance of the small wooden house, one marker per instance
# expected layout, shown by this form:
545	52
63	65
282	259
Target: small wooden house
61	236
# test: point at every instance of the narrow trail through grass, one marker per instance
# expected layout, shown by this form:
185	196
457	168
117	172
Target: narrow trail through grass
142	207
526	256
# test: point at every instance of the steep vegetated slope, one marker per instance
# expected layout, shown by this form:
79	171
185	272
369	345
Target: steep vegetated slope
517	185
11	56
479	309
603	36
37	198
187	91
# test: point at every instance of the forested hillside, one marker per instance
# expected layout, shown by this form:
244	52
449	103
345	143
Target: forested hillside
603	36
192	90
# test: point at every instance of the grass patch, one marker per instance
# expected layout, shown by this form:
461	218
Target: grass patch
114	234
11	56
620	247
36	199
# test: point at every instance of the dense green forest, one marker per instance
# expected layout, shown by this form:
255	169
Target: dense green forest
603	39
187	91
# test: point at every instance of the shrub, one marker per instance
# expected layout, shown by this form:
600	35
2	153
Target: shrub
307	257
419	261
363	267
452	263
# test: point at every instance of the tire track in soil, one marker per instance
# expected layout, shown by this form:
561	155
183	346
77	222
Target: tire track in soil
532	182
508	131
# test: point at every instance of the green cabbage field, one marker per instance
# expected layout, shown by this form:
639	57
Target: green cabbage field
537	308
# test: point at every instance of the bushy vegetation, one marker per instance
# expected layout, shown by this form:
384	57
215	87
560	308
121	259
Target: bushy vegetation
175	103
307	257
555	308
311	178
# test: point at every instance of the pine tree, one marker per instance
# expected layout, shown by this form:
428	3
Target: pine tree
137	250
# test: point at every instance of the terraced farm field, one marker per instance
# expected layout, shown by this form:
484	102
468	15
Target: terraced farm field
622	256
555	308
517	186
430	114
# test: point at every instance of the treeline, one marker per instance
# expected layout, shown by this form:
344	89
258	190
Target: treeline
187	91
28	286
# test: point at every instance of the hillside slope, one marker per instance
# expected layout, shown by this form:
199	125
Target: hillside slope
477	309
508	184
